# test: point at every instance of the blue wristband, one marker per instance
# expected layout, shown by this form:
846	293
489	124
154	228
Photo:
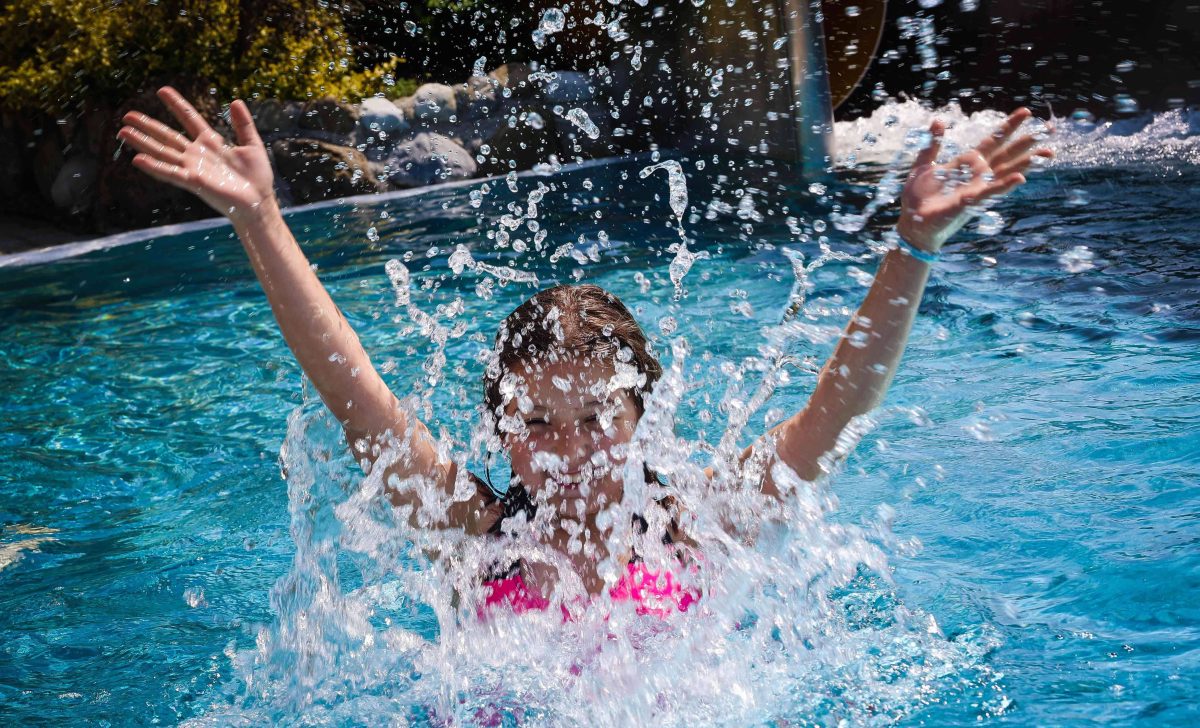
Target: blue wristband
914	252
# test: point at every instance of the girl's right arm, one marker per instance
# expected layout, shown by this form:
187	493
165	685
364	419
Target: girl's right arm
237	181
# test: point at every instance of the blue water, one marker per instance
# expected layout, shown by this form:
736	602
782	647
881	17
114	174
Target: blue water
1041	441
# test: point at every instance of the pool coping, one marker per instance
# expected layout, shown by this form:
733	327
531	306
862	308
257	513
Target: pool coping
65	251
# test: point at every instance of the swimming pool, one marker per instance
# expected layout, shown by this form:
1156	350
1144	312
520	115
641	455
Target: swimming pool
1040	441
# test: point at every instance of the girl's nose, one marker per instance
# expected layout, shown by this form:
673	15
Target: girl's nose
572	448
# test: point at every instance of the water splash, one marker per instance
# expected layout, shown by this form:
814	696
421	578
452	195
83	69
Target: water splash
580	119
553	21
1161	140
797	619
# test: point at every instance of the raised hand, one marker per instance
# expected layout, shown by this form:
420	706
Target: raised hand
235	180
936	198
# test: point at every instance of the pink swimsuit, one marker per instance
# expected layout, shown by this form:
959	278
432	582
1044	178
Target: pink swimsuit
653	592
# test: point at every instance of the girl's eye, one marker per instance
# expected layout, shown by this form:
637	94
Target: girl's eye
536	421
590	420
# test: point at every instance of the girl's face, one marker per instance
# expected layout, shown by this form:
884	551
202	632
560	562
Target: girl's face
567	427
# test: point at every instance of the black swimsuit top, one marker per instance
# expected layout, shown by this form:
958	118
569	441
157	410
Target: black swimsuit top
516	500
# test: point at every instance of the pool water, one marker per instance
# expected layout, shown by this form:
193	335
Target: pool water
1040	445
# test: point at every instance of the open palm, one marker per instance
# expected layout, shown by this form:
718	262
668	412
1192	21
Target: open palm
232	179
937	197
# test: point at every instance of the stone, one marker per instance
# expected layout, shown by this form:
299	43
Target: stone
380	114
127	198
477	98
514	77
74	187
566	87
429	158
380	124
434	104
319	170
47	160
14	172
329	115
275	118
522	145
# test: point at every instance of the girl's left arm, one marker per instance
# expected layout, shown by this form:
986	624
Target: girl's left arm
933	207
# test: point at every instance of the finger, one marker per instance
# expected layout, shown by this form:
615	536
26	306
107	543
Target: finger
928	155
243	124
1013	150
191	119
155	148
163	171
1020	164
156	129
1002	185
989	146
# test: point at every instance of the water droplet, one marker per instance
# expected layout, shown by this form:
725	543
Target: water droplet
1126	104
460	259
580	119
990	223
372	234
552	22
1077	259
1126	66
853	11
676	185
535	120
194	597
1078	198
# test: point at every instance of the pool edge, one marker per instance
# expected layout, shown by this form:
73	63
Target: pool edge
55	253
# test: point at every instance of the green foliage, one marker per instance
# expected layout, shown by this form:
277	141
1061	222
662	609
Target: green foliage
56	55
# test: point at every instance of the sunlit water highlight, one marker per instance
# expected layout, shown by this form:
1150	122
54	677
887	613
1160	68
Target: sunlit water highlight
1038	450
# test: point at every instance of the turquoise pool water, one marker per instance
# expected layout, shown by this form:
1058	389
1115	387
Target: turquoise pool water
1041	441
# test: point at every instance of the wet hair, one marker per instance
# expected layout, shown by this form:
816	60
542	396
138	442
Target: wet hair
584	321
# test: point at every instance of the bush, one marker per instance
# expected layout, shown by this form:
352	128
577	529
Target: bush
57	55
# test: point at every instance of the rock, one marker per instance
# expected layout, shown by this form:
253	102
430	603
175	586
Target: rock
128	198
380	124
74	187
47	160
14	172
98	127
521	146
429	158
275	118
329	115
319	170
477	98
379	114
567	87
514	77
434	104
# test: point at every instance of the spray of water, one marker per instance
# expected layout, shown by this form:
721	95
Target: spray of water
382	615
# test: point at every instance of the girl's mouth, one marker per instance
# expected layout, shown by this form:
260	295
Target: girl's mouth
568	481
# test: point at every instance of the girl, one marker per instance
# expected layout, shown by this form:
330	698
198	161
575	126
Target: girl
566	386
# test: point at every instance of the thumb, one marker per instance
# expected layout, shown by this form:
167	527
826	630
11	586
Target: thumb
928	155
243	124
